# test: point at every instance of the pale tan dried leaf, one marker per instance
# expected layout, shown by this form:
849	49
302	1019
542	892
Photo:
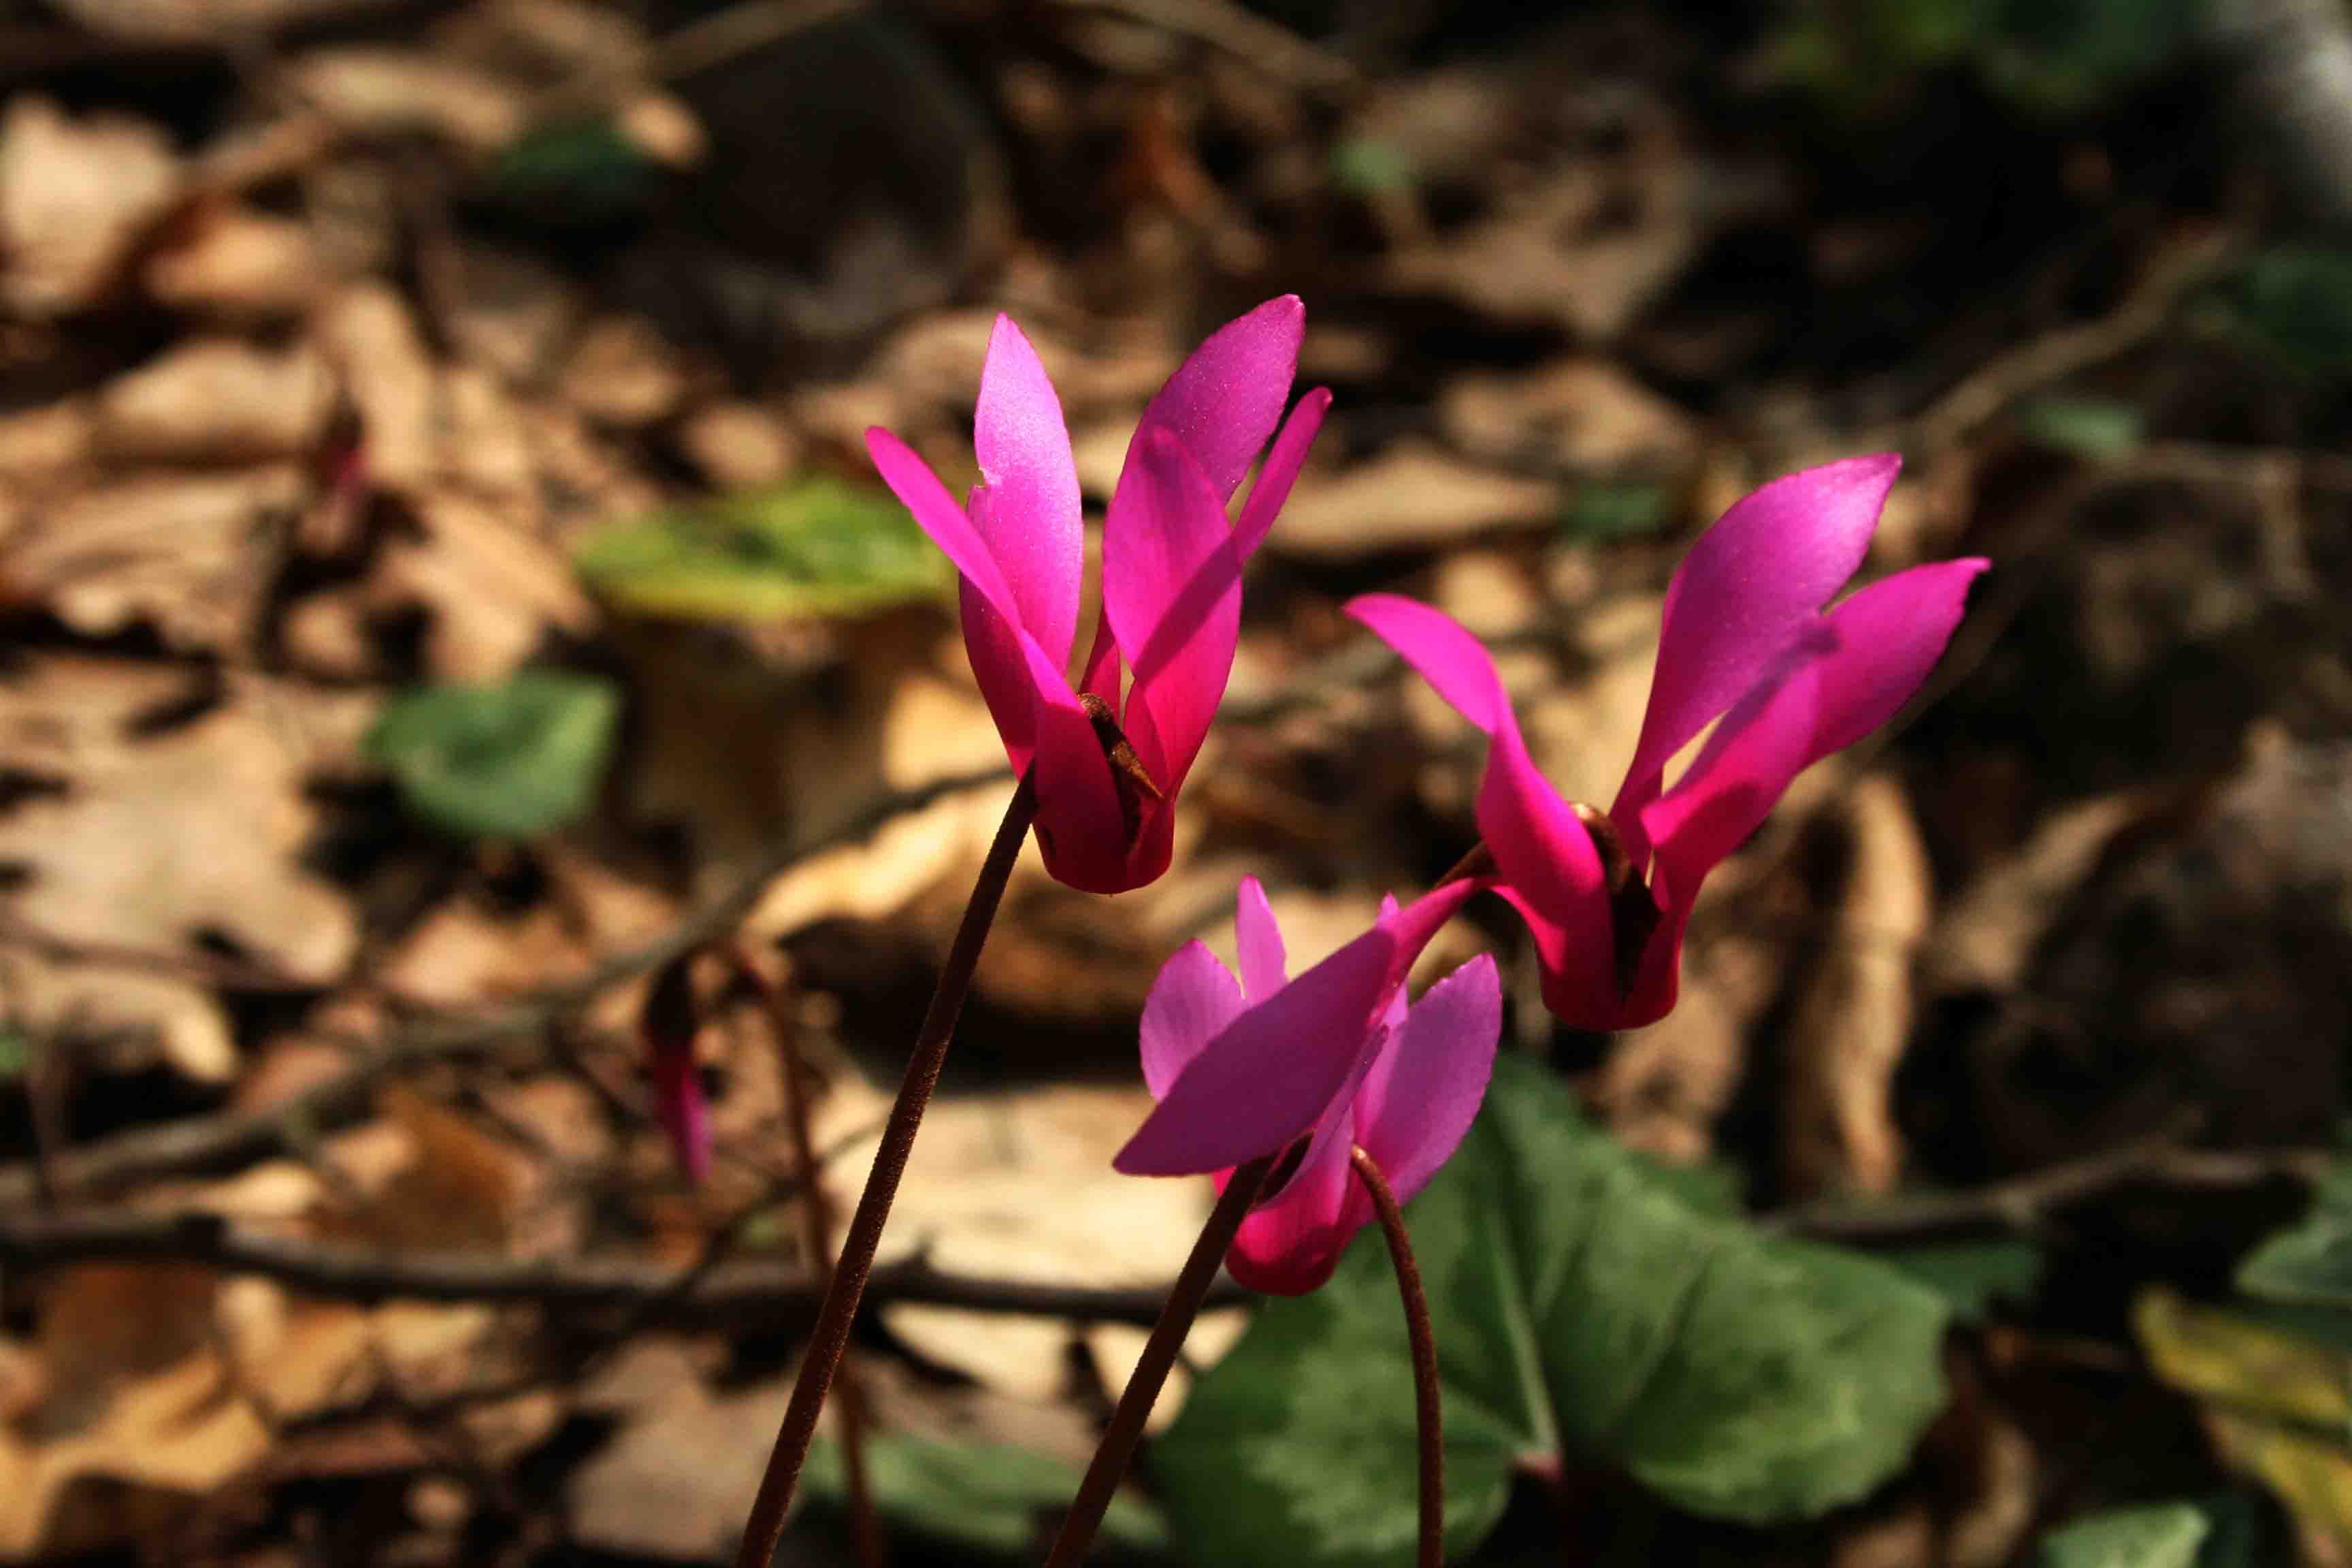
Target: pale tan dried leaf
737	446
1412	496
661	126
1988	932
972	1201
38	443
623	372
1584	415
215	401
120	1021
184	552
1853	1015
155	842
238	263
486	451
74	195
162	1444
194	21
383	92
493	591
677	1478
370	340
1116	1348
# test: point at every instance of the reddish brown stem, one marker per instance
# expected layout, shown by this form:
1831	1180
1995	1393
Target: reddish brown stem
816	1240
1117	1450
822	1359
1426	1419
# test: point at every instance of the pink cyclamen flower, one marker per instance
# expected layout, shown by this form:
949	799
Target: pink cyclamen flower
1108	769
1244	1068
1744	636
673	1075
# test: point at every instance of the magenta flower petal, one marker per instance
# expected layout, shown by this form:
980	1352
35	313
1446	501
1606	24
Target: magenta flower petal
1418	1100
1266	967
1290	1243
1191	1003
911	479
1271	1073
1751	586
1172	589
1031	526
1280	470
1081	828
1543	850
1863	663
1224	400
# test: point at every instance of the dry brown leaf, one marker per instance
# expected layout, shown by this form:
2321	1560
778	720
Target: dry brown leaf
737	446
1984	935
381	92
623	373
74	195
194	21
119	1021
162	1444
38	443
675	1480
215	401
1854	1008
369	337
1017	1185
1582	415
493	590
1413	496
184	553
153	842
237	263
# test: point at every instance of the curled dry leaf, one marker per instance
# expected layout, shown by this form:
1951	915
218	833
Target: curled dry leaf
1853	1007
156	842
1581	416
75	195
187	554
378	91
237	263
1413	496
623	373
215	401
492	590
372	343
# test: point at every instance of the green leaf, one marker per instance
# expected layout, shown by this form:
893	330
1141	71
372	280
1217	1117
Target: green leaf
2310	1262
1582	1308
812	547
499	761
16	1053
2163	1536
2085	426
1971	1275
1603	511
2296	302
575	172
987	1496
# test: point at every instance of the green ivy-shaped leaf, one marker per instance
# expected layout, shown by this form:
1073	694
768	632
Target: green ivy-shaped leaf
813	547
2309	1263
989	1496
509	760
1582	1308
2163	1536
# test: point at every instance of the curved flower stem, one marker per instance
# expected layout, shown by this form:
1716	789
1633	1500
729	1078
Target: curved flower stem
816	1240
822	1359
1424	1358
1109	1466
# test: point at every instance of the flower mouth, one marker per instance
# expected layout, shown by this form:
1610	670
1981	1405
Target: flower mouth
1128	777
1633	913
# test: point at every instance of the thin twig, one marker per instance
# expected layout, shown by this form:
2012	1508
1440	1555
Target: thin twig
737	1293
816	1241
821	1359
2025	1203
1428	1425
1185	1298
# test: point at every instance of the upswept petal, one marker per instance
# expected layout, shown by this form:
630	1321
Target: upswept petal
1224	400
1190	1005
1266	967
1749	588
1033	527
911	480
1271	1073
1868	657
1280	470
1172	591
993	646
1542	849
1579	983
1423	1092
